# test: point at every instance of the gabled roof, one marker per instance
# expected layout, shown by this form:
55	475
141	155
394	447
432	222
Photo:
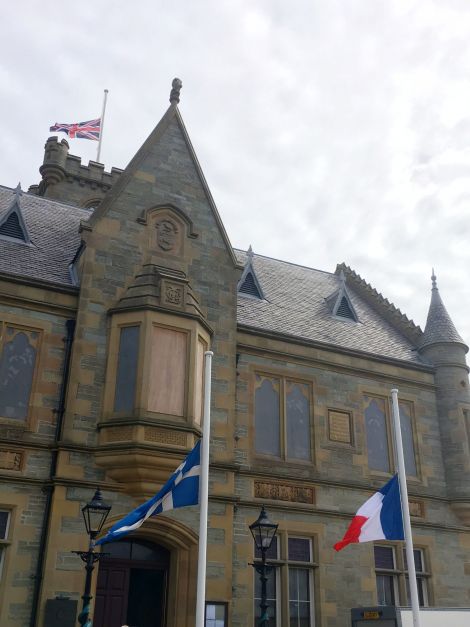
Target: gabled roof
439	326
248	284
295	306
172	115
340	303
12	224
53	230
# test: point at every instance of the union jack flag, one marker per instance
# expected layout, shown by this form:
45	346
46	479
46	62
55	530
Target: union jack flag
80	130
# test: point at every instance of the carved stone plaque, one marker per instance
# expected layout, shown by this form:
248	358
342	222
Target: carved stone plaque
172	294
10	460
339	426
284	492
416	509
167	235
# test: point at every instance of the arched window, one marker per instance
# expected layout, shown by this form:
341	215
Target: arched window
17	362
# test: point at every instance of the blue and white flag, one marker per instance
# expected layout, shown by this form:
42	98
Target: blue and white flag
181	490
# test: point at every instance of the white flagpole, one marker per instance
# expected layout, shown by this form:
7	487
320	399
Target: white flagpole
405	510
204	493
102	125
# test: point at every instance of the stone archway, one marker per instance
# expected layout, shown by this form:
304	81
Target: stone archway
181	543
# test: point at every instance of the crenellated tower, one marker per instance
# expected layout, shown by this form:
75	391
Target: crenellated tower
442	345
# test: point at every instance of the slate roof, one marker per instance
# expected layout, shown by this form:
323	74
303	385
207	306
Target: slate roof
439	326
295	305
53	229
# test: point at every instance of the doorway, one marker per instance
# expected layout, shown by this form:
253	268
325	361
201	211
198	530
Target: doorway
132	585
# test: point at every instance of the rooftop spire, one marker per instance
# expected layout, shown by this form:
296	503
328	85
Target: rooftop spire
439	326
176	86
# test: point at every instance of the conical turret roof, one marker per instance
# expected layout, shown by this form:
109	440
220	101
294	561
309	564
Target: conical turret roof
439	326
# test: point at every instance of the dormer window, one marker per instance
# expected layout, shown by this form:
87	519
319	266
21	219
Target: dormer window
12	225
340	303
249	284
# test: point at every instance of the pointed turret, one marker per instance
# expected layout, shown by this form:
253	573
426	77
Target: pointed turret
443	347
439	326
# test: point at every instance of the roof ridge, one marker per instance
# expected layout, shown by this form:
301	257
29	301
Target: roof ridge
289	263
382	305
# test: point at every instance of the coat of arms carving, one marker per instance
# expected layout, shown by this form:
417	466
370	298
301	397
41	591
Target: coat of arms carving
167	233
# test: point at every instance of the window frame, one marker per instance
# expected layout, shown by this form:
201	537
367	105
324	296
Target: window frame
284	379
390	436
224	604
5	541
23	423
282	567
400	573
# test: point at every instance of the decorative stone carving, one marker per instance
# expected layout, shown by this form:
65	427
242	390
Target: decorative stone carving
164	436
339	426
284	492
119	434
167	234
173	294
10	460
416	509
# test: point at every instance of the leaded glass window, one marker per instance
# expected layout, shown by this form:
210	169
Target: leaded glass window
407	438
126	376
282	418
377	434
17	365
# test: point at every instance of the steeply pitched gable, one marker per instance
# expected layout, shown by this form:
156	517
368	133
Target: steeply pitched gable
249	284
12	224
340	303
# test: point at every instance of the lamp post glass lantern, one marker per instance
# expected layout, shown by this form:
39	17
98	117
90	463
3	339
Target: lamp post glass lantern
94	514
263	532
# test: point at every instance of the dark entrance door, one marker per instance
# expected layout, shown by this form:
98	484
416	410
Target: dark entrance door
131	587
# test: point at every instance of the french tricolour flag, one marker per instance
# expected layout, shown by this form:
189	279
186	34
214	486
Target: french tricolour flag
379	518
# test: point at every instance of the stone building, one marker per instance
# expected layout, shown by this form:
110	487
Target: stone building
112	286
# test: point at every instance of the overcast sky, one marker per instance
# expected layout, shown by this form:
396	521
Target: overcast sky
328	130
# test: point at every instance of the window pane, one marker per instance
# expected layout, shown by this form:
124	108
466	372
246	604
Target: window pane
299	549
16	373
407	437
267	419
419	560
384	557
385	590
422	591
299	597
271	589
168	371
215	615
271	553
126	369
376	429
3	525
298	420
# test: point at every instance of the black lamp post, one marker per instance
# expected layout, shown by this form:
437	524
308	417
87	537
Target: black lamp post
94	514
263	532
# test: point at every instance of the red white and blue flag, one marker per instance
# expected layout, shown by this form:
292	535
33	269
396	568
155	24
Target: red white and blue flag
80	130
380	518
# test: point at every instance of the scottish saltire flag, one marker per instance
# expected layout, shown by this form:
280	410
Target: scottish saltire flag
181	490
80	130
379	518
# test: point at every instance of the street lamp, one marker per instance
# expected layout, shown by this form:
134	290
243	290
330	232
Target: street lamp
263	532
94	514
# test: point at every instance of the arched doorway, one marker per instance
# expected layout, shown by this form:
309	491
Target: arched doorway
132	585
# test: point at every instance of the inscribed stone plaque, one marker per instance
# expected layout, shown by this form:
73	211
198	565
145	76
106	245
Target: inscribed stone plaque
284	492
339	423
10	460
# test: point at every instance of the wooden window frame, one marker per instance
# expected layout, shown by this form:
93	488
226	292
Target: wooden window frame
400	573
284	379
224	604
282	565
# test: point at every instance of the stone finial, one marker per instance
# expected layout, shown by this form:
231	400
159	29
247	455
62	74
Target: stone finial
176	86
18	191
433	279
250	253
342	277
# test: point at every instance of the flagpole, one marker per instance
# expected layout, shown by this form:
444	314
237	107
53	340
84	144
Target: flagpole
204	493
405	510
102	125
